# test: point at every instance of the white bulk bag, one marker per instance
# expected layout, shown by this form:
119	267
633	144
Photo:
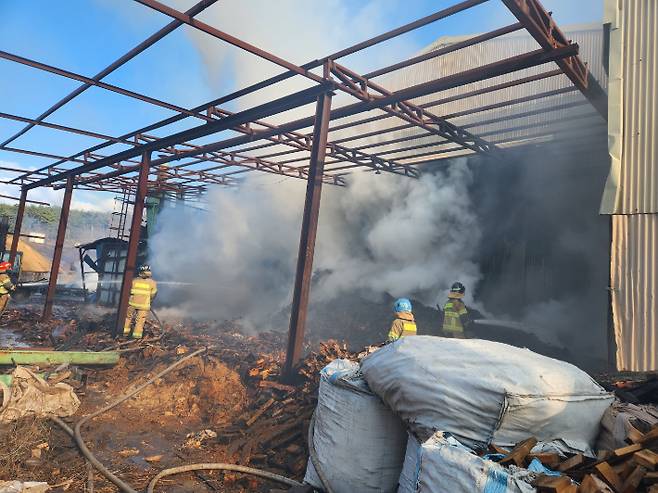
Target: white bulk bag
359	442
483	391
443	465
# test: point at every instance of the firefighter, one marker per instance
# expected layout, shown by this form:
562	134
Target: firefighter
404	323
6	286
142	292
455	315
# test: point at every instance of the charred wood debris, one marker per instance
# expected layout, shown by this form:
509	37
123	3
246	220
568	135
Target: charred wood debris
272	429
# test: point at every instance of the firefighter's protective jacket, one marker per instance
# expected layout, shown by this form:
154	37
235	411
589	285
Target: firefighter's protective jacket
455	316
142	292
403	325
6	286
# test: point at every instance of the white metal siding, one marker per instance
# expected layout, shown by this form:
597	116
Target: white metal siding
632	186
631	193
634	286
583	118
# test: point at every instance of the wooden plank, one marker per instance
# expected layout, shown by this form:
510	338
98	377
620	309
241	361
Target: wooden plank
651	478
549	459
646	458
571	463
634	480
650	437
552	484
634	435
260	412
519	453
626	451
592	484
609	476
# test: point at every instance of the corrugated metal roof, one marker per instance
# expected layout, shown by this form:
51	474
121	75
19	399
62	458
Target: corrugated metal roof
634	284
568	112
632	186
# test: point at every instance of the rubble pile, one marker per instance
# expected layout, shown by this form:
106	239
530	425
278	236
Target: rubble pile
273	430
624	470
225	406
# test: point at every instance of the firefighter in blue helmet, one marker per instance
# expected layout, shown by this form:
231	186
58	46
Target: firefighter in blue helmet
455	315
404	323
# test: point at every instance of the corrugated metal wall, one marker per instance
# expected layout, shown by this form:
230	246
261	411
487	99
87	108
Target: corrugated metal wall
508	129
632	188
634	259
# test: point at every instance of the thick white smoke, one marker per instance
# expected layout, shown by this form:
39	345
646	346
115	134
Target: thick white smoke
382	234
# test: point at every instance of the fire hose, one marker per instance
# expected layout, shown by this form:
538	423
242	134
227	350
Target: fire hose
125	487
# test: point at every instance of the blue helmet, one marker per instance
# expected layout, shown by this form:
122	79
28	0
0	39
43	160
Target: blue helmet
402	305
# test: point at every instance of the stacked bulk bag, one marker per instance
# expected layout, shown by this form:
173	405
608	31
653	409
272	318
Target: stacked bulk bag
359	442
442	464
483	391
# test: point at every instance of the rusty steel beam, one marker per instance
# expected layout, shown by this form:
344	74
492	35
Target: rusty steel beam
232	40
309	229
541	26
491	70
38	202
285	103
462	6
17	226
57	254
445	50
439	102
103	85
151	40
133	243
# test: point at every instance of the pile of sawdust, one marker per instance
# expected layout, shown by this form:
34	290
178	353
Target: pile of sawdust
205	391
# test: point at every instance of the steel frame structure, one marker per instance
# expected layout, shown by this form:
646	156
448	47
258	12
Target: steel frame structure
302	148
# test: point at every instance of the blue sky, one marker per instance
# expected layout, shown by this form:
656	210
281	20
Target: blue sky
188	69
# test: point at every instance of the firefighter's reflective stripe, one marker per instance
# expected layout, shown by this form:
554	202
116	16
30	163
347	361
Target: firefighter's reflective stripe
140	294
5	284
451	314
409	329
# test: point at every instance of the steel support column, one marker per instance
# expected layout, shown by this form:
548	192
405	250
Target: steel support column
59	245
133	242
18	225
307	237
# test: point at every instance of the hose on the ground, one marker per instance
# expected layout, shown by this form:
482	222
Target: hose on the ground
155	315
220	467
77	436
314	457
125	487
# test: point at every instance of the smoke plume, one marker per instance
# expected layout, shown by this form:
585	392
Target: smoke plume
381	235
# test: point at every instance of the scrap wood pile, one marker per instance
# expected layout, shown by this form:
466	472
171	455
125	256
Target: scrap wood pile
636	391
624	470
273	430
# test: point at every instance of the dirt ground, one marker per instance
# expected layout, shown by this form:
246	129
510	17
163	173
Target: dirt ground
225	405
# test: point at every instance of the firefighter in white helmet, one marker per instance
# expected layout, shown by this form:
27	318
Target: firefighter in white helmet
142	292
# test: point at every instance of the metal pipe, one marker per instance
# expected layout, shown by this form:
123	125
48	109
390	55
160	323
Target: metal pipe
57	254
133	243
28	201
307	237
17	226
151	40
